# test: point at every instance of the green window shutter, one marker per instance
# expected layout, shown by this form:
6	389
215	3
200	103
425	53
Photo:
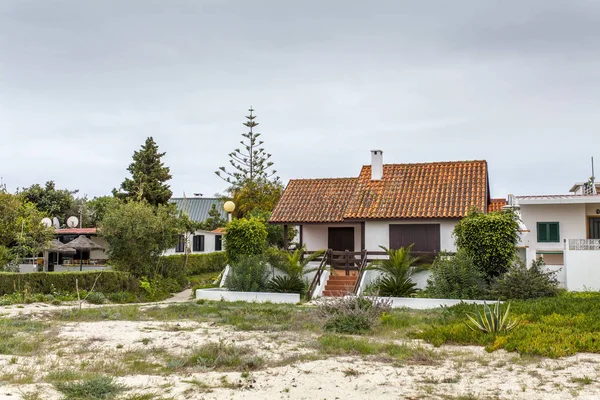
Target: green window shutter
542	232
553	232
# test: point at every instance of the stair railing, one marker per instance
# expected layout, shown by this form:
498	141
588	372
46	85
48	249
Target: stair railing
361	271
317	278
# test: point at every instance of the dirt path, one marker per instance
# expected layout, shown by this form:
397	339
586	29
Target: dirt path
35	308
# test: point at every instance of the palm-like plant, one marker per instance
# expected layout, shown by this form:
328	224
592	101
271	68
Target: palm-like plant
294	264
397	270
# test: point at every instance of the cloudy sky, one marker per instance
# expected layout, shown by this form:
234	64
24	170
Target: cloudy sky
83	83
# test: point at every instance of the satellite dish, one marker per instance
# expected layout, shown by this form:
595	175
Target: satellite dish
56	223
47	222
72	222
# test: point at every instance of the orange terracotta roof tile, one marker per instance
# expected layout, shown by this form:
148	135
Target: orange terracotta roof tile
425	190
314	200
496	205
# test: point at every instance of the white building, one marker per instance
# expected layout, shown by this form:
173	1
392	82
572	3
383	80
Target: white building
565	231
198	242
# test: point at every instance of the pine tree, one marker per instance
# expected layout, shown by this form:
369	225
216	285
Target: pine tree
148	177
250	164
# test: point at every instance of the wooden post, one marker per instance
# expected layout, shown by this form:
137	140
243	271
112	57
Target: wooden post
285	237
301	236
362	236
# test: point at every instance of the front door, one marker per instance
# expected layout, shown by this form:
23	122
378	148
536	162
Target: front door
340	239
594	228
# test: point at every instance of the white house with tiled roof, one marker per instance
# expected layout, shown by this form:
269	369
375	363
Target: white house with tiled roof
565	231
391	205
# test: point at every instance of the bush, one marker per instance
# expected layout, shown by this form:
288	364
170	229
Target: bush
248	274
520	282
287	284
95	298
489	239
352	314
49	282
173	266
122	297
456	277
245	237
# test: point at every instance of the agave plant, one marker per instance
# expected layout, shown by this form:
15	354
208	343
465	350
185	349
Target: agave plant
397	270
491	320
287	284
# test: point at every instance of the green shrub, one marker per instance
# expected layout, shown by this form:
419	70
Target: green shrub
287	284
520	282
122	297
397	270
95	298
456	277
173	266
50	282
95	388
248	274
351	314
245	237
489	239
492	320
221	356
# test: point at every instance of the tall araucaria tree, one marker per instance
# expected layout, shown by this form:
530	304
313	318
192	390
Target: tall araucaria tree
148	177
253	184
250	163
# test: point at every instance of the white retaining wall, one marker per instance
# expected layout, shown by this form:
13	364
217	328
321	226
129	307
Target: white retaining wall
259	297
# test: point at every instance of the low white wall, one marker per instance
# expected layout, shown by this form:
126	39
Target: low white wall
582	270
61	268
321	286
425	304
370	276
259	297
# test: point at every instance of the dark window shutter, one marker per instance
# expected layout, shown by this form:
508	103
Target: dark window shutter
218	243
199	243
542	232
180	244
553	232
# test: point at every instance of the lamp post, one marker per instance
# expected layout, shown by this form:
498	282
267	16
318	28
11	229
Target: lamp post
229	206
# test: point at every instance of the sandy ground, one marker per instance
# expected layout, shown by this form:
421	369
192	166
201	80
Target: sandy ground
290	374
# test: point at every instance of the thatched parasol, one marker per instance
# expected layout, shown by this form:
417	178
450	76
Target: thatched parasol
58	247
82	243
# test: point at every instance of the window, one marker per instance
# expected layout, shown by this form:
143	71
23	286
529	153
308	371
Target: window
218	243
198	243
548	232
180	244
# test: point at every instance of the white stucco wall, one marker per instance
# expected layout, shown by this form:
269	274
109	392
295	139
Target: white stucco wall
377	233
582	270
315	237
209	243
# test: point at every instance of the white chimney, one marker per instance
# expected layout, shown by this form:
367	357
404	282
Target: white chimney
376	165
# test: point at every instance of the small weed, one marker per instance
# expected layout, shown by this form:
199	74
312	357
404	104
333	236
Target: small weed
224	357
584	380
351	372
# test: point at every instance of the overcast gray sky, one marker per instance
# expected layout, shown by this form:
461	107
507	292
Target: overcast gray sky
83	83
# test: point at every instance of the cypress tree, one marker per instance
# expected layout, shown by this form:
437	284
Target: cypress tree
148	177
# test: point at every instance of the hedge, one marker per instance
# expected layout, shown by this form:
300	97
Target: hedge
47	282
173	266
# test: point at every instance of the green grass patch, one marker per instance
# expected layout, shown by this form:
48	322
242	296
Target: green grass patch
346	345
551	327
21	336
95	388
223	357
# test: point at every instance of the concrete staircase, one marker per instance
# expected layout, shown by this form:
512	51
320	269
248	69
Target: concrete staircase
339	285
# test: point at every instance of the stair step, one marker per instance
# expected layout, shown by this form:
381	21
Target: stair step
334	293
348	288
343	277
